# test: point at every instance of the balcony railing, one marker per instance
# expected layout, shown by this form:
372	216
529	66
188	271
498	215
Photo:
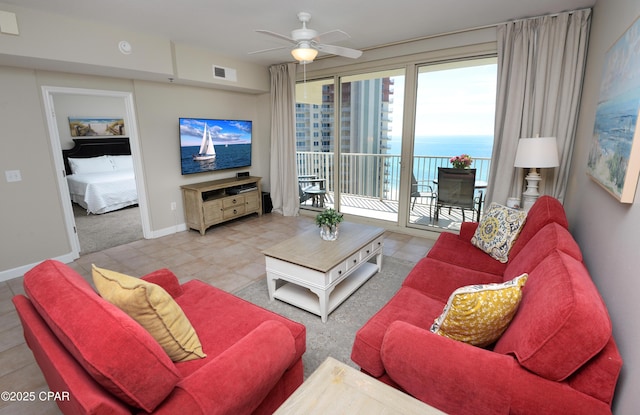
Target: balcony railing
376	175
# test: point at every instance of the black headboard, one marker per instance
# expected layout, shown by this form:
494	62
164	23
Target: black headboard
94	147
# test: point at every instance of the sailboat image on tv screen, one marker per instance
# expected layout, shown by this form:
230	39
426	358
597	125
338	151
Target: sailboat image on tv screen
207	151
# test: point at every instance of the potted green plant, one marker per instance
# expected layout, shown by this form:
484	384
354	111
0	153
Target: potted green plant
328	221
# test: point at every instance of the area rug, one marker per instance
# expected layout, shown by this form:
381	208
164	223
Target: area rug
335	337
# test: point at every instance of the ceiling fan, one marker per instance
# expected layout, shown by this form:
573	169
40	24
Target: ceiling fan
308	42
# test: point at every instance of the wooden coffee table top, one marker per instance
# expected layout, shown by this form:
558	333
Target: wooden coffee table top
335	388
309	250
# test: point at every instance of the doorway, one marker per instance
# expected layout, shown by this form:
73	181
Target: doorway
60	103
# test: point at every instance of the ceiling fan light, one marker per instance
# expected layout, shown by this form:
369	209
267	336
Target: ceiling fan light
304	54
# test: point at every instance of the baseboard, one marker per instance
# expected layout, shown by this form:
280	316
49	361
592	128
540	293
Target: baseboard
20	271
168	231
67	258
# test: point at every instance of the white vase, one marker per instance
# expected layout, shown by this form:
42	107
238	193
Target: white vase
329	233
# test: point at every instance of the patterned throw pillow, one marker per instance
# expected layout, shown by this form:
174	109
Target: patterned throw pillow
498	230
479	314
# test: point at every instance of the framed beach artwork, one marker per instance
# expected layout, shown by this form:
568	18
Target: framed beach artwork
96	126
614	158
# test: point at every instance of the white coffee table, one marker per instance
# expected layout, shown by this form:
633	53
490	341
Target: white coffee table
335	388
319	275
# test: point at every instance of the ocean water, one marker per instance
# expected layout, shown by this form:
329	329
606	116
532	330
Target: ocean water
227	157
480	146
448	146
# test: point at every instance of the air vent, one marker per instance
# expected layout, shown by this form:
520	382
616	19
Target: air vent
8	23
227	74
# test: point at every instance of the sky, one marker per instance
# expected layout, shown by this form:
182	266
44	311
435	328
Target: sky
458	101
223	132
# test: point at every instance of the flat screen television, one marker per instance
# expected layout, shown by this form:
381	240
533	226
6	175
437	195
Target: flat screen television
211	144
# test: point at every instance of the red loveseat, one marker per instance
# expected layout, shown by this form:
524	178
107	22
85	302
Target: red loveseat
557	355
109	364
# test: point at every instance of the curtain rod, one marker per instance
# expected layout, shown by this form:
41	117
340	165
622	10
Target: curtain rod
471	29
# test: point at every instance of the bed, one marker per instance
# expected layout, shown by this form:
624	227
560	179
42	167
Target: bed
100	174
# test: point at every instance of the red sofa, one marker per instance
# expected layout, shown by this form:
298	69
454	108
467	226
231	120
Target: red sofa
109	364
557	355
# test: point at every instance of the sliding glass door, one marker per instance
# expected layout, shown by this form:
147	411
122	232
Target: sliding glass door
315	143
454	115
370	143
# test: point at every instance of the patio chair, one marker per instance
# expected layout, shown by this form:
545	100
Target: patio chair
422	190
312	187
456	189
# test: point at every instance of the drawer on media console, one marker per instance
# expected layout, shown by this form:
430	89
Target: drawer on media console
229	202
233	211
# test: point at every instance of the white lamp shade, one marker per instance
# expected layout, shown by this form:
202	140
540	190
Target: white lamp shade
538	152
304	54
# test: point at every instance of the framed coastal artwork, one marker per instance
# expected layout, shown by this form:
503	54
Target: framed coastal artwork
96	126
614	158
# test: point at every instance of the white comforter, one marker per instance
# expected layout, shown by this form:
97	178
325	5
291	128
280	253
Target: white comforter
103	192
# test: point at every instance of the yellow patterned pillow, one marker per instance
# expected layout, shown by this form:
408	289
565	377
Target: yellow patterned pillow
479	314
154	309
498	230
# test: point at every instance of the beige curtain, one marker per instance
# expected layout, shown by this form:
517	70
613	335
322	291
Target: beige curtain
284	176
540	72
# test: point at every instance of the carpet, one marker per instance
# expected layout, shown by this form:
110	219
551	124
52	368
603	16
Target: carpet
100	232
335	337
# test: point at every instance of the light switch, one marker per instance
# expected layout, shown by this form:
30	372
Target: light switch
13	175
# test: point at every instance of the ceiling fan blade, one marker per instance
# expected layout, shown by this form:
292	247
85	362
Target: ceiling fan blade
332	36
268	50
340	51
276	35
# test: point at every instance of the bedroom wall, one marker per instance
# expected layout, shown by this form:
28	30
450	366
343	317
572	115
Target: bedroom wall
67	105
608	232
32	224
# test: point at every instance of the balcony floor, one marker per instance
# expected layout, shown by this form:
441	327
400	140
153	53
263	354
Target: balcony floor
387	210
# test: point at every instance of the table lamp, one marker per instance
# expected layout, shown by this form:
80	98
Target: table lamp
533	153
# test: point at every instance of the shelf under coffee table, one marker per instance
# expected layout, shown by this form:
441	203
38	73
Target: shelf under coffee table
319	275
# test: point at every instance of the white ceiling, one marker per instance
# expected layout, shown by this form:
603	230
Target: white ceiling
228	26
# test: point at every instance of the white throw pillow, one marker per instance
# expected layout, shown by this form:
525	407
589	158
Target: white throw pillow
99	164
122	162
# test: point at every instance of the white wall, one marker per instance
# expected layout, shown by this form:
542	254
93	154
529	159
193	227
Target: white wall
158	107
607	231
31	217
32	224
71	105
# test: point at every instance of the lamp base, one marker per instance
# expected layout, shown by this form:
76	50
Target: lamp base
531	194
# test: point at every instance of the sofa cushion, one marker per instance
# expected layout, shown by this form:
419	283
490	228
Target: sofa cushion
221	320
407	305
550	238
479	314
455	250
546	210
562	321
154	309
115	350
438	279
498	230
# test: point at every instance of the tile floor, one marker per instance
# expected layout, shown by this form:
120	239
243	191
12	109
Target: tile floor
228	256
